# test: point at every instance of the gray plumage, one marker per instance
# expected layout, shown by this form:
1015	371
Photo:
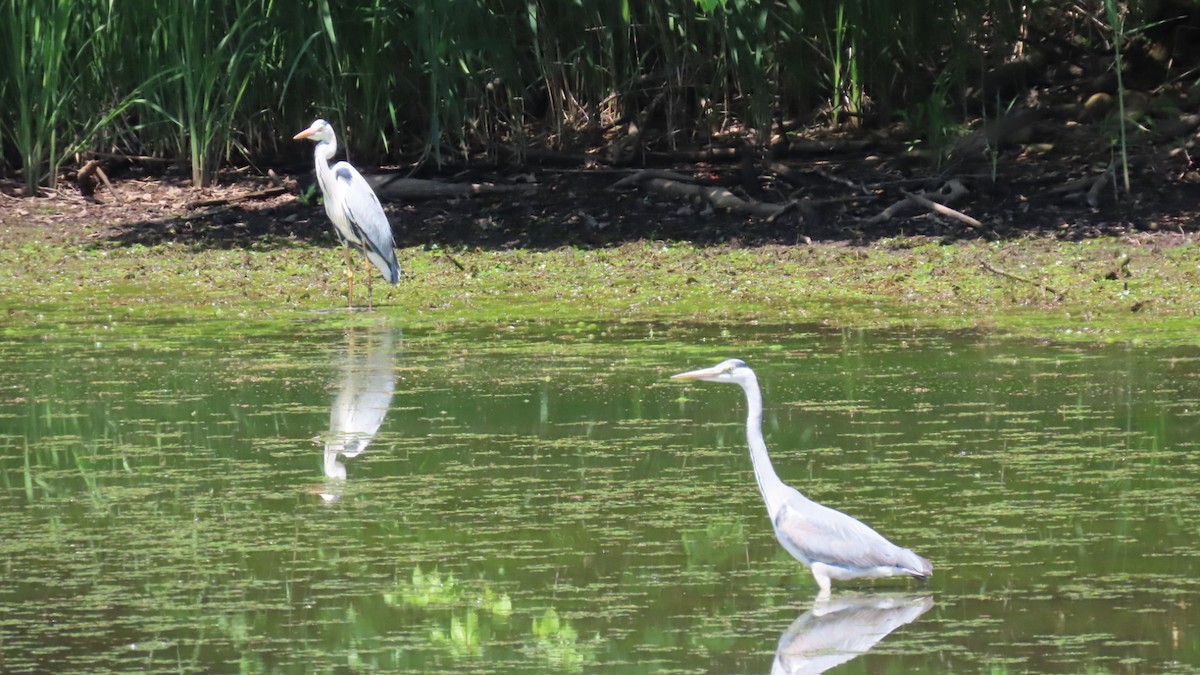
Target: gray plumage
358	217
832	544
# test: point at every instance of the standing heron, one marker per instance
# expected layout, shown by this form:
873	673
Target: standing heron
832	544
351	204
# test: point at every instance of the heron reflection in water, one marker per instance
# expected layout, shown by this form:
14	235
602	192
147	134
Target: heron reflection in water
366	381
832	544
836	630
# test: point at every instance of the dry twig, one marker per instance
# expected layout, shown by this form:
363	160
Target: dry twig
943	209
1008	275
717	196
393	188
839	180
951	192
645	174
222	201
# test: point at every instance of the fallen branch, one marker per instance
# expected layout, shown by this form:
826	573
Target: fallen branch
1008	275
796	177
787	173
1088	188
1076	185
393	188
222	201
951	192
706	155
719	197
943	209
716	196
839	180
801	146
646	174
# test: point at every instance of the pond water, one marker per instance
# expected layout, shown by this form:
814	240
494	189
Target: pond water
545	499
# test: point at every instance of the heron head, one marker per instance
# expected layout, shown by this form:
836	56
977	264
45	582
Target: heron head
730	370
318	131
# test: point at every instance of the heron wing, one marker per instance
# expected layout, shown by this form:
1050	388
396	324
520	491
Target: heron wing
368	222
821	534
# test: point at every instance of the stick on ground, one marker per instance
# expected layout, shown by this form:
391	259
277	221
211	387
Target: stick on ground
1008	275
221	201
943	209
716	196
951	192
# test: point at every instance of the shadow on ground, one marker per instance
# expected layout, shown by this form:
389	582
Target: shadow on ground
837	202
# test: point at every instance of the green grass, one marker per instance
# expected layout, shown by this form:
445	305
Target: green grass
891	283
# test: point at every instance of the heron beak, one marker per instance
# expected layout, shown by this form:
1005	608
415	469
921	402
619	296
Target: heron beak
305	134
698	374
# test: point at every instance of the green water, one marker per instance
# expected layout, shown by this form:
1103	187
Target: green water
545	499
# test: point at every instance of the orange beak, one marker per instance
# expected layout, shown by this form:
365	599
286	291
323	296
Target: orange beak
698	374
305	134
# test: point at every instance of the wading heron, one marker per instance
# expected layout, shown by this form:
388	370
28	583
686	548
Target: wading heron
832	544
351	204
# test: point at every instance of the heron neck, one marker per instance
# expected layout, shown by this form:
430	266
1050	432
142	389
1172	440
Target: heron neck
769	484
324	152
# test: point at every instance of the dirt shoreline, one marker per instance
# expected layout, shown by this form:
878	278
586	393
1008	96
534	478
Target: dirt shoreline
576	248
840	202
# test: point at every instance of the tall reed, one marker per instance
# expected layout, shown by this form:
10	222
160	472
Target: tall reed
1116	23
210	80
55	103
208	49
42	78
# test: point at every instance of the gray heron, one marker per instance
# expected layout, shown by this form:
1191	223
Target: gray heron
837	630
351	204
832	544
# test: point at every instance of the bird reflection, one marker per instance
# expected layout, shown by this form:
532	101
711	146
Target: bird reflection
364	393
836	630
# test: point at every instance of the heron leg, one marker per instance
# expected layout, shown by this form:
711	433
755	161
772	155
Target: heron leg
822	576
349	275
367	264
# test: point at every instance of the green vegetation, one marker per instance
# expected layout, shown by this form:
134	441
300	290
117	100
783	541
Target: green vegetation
53	106
542	498
1075	290
210	81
